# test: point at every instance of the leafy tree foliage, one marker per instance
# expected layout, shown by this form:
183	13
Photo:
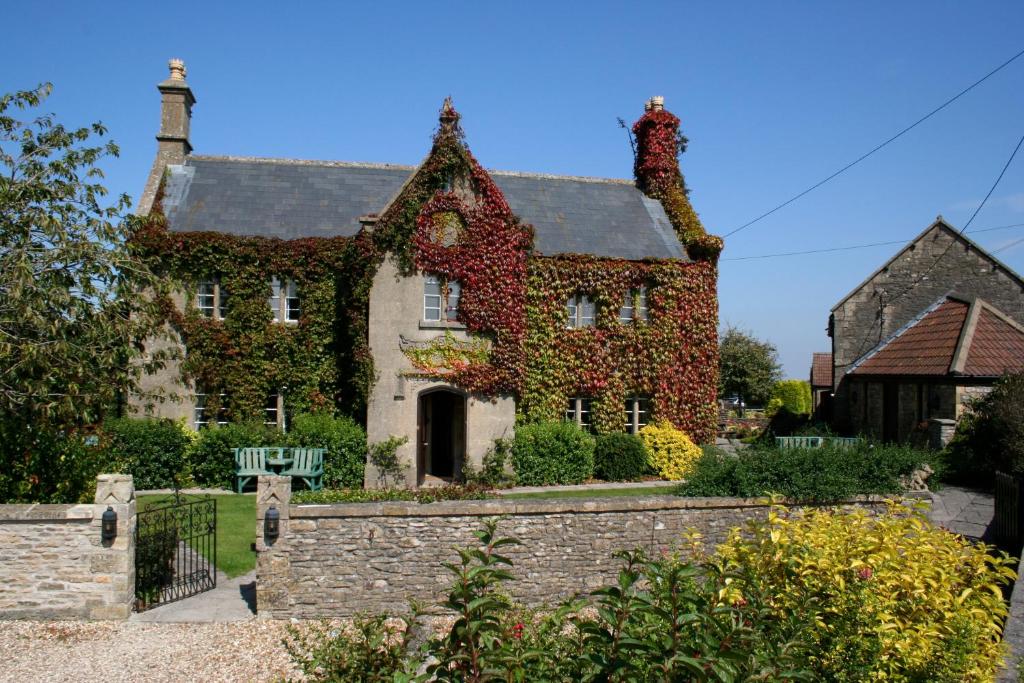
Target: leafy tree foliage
748	367
71	315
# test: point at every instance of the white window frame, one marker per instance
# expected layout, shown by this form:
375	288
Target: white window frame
442	307
578	411
638	413
634	306
576	309
217	308
273	405
199	411
285	304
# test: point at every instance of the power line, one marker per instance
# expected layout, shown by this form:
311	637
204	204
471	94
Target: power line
884	144
860	246
1007	246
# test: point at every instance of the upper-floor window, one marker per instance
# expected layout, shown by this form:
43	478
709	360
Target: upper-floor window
272	410
581	310
577	410
203	416
441	299
284	301
212	299
638	411
634	306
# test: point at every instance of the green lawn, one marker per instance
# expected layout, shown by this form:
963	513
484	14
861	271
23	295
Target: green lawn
598	493
236	529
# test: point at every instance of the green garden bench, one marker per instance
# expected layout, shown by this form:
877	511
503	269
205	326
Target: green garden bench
308	465
799	441
249	463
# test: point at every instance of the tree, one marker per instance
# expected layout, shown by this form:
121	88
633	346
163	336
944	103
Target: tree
72	317
747	367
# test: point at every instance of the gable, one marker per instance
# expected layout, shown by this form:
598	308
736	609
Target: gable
288	199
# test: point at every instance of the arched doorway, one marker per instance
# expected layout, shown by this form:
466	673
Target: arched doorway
442	435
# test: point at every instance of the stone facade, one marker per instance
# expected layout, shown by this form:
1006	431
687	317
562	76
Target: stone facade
336	560
395	406
937	262
55	564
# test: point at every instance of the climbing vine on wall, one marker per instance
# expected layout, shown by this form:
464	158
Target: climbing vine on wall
450	219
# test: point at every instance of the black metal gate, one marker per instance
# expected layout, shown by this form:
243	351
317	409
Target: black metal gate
175	552
1009	512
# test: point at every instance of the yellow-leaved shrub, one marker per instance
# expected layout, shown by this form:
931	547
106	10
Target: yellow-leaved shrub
670	451
889	597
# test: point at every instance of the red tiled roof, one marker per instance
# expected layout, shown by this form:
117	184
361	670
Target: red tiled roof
938	344
997	346
821	370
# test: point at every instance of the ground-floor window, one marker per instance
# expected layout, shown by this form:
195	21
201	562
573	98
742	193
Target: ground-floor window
638	410
578	410
203	417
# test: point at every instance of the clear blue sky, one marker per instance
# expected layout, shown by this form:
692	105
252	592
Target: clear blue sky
773	96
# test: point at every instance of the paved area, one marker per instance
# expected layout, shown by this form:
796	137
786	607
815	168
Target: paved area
967	512
730	446
232	600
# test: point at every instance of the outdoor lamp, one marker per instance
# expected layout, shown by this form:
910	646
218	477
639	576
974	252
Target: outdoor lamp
108	530
271	524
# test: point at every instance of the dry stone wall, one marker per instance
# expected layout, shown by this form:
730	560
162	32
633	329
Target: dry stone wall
55	564
336	560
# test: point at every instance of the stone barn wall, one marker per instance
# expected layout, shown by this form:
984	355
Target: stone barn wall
337	560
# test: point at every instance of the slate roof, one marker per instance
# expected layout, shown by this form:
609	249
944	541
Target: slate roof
821	370
291	199
953	337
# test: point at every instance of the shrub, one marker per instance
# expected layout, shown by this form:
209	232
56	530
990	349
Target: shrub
620	457
151	450
210	456
495	467
991	436
672	454
369	650
792	394
552	453
345	441
424	495
829	473
383	456
41	464
886	598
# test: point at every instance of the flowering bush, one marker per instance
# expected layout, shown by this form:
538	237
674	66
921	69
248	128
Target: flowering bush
887	598
672	454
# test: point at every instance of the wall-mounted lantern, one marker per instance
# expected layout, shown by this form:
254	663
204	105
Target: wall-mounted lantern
108	528
271	524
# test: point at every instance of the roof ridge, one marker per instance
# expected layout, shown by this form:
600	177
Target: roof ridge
399	167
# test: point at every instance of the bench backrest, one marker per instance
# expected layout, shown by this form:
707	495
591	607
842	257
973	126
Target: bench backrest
251	458
799	441
307	459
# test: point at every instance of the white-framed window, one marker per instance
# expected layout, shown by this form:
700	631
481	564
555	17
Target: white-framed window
638	412
212	299
581	310
272	410
201	416
284	301
441	299
577	410
634	306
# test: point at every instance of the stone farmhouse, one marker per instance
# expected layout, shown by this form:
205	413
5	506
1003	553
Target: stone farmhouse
440	303
932	328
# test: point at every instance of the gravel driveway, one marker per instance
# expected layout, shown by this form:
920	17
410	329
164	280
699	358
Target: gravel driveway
117	651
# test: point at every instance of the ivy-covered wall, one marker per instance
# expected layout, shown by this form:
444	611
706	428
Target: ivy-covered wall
450	219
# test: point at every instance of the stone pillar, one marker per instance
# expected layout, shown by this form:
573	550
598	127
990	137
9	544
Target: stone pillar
113	562
940	432
273	564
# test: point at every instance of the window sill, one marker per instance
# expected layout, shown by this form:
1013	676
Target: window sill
441	325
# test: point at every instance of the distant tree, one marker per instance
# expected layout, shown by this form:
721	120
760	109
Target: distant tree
72	314
748	367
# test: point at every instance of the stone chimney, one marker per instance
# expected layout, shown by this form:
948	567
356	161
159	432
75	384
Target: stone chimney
176	100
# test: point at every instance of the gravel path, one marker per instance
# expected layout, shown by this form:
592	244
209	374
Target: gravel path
104	651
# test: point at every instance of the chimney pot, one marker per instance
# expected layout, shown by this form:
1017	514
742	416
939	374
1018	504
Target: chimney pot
657	103
177	68
647	105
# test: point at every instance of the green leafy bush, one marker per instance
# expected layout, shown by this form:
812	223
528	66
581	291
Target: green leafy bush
816	474
41	464
552	453
210	456
990	436
495	468
424	495
620	457
152	451
345	441
793	395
